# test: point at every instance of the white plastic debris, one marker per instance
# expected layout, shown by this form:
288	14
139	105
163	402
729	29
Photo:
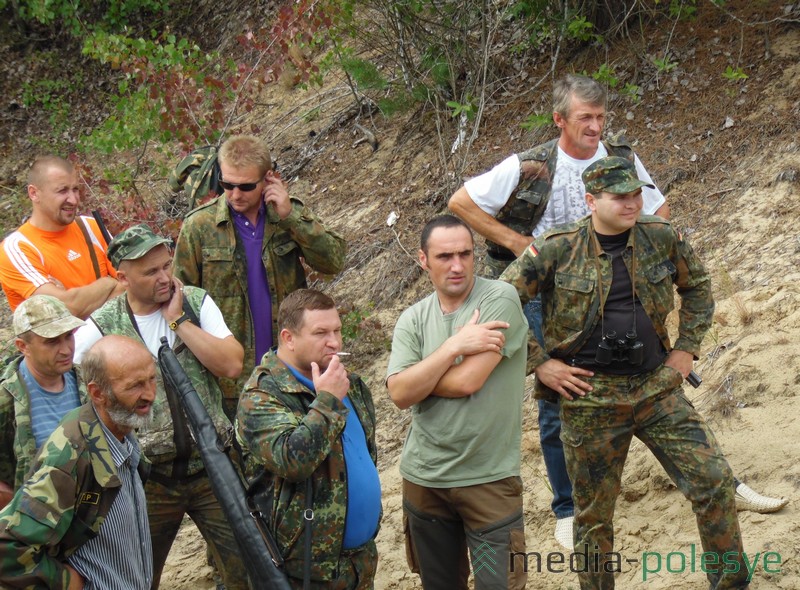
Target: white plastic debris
392	219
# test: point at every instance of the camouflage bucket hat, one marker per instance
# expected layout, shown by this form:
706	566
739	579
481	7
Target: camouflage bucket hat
133	243
45	316
612	175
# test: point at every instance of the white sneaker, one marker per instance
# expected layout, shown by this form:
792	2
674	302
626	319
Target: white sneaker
563	532
748	499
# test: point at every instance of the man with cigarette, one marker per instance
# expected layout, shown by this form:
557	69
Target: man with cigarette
308	428
248	249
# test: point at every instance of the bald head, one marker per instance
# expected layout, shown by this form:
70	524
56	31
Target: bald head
120	375
55	193
42	165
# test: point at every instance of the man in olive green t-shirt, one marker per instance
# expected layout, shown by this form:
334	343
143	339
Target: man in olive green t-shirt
458	361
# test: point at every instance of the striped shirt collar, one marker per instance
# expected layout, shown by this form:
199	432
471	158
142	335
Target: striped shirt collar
121	451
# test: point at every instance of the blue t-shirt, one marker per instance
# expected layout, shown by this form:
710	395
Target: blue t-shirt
47	407
363	483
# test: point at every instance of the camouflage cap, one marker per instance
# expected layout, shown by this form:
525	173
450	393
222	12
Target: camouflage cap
612	174
133	243
45	316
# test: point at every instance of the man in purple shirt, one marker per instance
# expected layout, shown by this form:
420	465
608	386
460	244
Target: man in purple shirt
247	248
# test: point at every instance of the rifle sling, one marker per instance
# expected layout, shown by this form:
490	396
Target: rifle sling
308	515
92	253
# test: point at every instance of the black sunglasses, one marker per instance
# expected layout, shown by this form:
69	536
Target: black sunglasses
242	186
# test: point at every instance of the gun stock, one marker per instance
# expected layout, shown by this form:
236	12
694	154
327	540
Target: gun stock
258	549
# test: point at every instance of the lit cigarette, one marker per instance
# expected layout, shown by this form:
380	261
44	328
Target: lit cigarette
343	353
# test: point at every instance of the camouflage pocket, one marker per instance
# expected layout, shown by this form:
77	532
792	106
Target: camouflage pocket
668	378
217	273
521	210
286	257
660	278
284	248
571	437
287	515
572	299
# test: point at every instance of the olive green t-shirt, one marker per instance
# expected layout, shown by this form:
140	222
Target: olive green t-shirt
471	440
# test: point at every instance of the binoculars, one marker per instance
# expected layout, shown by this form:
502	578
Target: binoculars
628	349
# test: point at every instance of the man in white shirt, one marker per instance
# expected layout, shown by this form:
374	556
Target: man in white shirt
157	304
527	194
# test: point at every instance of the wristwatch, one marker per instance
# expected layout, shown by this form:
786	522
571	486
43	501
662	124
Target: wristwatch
174	325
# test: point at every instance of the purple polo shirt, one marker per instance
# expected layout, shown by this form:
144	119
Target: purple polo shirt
252	238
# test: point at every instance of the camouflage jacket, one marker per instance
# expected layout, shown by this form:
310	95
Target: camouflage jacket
167	438
293	434
61	506
561	266
528	201
209	254
17	445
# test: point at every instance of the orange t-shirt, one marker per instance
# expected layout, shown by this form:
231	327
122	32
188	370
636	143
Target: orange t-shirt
31	257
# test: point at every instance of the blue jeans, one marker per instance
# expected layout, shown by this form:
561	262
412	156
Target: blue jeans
550	430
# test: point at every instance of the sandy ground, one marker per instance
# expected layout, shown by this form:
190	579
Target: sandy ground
751	372
744	226
739	206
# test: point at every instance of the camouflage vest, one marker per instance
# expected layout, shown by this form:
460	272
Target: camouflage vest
167	438
17	444
529	199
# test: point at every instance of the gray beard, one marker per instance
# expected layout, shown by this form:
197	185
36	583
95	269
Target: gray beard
125	417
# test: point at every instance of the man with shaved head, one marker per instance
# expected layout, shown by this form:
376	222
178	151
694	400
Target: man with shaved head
57	252
79	521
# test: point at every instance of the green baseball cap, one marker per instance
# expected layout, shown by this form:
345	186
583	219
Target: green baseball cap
612	174
133	243
45	316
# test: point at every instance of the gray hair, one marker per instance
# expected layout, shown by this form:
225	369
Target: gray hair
583	88
94	369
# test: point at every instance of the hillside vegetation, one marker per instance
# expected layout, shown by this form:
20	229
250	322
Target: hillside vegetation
709	91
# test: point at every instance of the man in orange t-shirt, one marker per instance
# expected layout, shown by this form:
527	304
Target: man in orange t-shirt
50	254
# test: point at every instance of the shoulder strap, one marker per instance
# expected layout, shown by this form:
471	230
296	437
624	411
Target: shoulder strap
89	244
187	309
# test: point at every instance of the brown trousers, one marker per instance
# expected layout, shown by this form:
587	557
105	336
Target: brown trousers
442	524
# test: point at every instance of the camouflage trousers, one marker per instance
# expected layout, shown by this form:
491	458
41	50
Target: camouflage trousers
167	503
356	570
597	431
